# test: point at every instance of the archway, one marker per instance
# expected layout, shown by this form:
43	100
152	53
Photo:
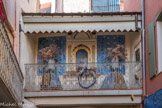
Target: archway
82	50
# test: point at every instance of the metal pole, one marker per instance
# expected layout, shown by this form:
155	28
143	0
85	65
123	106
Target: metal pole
143	47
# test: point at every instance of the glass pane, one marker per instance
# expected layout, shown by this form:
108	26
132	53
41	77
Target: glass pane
99	2
100	9
137	55
105	5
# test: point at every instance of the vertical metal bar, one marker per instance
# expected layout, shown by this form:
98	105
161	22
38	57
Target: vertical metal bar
143	47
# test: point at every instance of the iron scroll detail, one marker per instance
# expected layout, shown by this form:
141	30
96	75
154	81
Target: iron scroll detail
87	71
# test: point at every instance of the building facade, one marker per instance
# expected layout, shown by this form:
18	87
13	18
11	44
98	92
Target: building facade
82	54
83	59
11	76
86	6
88	56
46	7
153	26
132	5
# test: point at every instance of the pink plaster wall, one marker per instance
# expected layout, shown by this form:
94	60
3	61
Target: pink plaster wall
12	21
10	8
152	8
132	5
59	7
13	16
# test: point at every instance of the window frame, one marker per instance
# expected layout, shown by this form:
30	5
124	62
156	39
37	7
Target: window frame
159	37
109	7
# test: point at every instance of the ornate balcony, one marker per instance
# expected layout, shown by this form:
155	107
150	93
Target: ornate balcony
96	76
10	73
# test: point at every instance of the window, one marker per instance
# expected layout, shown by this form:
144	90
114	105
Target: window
159	40
105	5
138	55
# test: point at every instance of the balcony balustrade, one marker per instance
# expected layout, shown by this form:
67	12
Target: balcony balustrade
10	72
96	76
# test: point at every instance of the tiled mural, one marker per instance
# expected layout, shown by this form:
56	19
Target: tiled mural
52	50
105	42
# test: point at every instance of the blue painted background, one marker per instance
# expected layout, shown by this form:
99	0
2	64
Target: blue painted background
61	45
81	56
104	42
154	101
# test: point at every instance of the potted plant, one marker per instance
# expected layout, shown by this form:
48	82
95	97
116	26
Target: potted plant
114	78
49	55
116	55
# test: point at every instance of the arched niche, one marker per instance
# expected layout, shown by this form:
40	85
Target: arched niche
81	56
81	40
81	48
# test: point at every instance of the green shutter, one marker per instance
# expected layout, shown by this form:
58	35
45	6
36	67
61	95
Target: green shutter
151	44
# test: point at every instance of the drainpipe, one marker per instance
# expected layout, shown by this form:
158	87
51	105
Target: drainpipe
136	23
55	6
143	45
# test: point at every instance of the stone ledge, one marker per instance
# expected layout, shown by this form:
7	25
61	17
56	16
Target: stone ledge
137	92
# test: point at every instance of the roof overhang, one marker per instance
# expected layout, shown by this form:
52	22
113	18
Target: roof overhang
61	23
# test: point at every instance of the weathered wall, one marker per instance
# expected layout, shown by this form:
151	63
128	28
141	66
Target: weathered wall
28	51
132	5
29	5
135	45
152	8
76	6
10	8
59	7
13	9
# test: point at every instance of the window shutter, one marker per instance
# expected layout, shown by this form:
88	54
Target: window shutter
151	44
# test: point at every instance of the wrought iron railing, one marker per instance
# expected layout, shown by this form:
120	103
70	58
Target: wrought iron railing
10	72
83	76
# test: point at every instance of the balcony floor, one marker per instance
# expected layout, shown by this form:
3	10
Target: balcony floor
93	106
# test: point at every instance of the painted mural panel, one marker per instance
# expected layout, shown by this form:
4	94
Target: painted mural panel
154	101
109	44
52	50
